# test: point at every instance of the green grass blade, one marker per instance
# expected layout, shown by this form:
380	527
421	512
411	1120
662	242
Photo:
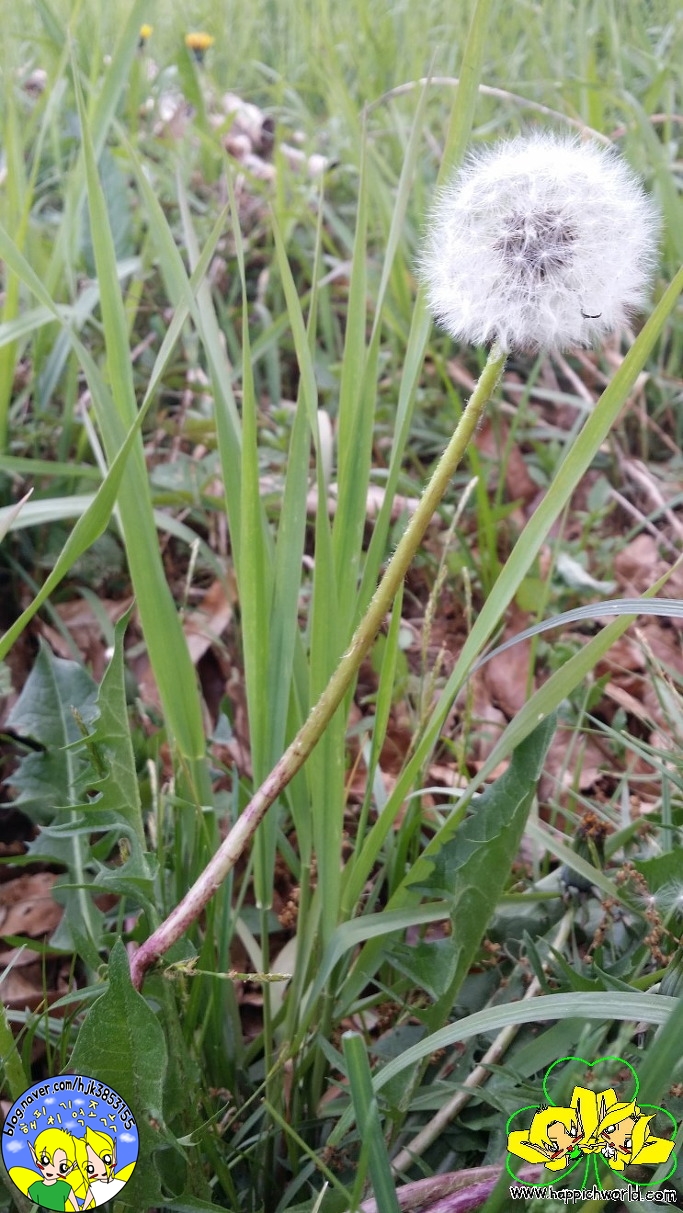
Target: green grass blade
651	1008
166	645
354	422
93	513
458	135
368	1121
291	533
255	592
117	76
467	95
228	423
325	770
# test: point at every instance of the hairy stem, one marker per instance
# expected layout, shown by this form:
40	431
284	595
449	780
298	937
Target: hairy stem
194	901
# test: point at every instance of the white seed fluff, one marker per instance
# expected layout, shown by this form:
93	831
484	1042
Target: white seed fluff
541	242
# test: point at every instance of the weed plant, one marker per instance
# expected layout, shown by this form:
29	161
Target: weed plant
191	359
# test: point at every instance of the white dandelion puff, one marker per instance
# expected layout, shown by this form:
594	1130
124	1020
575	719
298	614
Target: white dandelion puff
669	898
541	242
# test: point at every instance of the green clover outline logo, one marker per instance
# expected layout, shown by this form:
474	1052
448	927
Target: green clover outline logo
589	1149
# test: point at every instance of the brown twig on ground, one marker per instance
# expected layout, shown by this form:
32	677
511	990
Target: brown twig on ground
457	1192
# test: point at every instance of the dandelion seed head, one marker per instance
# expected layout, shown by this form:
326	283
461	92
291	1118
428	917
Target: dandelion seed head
539	242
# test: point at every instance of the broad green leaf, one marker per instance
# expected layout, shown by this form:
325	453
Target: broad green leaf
430	964
661	869
43	713
49	783
111	746
471	868
131	875
121	1043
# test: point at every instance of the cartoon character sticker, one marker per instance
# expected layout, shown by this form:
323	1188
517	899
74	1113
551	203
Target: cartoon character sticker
554	1137
595	1124
623	1136
70	1143
103	1179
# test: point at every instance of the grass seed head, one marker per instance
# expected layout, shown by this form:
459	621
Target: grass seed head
540	242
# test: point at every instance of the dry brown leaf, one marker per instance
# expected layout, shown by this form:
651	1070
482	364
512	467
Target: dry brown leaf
488	723
506	676
492	440
23	987
565	753
27	906
628	702
207	623
664	643
623	656
85	630
637	564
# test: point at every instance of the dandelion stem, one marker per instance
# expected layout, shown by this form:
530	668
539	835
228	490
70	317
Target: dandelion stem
189	909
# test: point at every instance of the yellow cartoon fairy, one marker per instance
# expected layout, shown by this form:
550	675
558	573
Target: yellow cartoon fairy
55	1153
596	1125
554	1136
561	1135
591	1106
622	1137
103	1184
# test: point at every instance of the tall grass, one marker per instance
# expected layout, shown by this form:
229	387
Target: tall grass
340	322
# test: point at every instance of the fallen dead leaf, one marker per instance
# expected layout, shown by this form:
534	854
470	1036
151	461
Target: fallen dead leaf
27	906
85	630
493	440
506	676
206	624
636	564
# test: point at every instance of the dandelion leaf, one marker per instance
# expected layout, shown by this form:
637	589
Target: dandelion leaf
122	1044
110	746
46	778
471	868
431	965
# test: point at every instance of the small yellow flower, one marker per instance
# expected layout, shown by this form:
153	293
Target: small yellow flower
199	42
146	32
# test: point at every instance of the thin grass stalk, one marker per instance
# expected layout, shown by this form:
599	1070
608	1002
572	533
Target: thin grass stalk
368	1120
100	118
168	652
16	217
